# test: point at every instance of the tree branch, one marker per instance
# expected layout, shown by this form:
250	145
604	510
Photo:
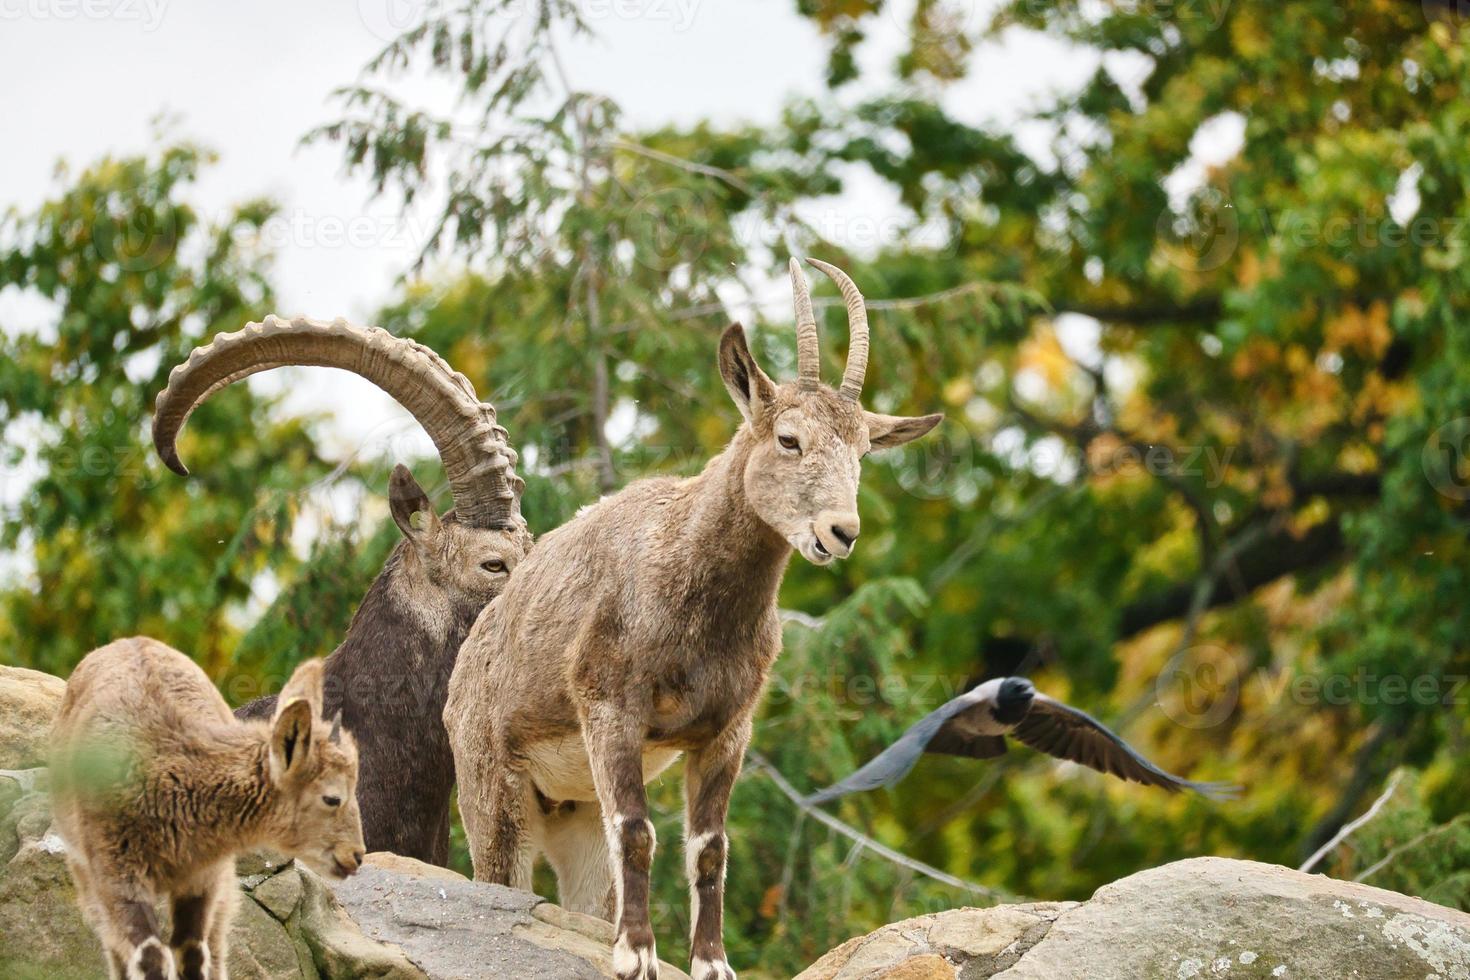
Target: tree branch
1364	768
1149	314
1267	559
1347	829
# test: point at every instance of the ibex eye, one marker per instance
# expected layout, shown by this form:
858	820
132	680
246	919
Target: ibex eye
788	442
495	566
332	801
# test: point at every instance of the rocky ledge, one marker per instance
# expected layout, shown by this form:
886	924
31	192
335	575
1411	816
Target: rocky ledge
1202	918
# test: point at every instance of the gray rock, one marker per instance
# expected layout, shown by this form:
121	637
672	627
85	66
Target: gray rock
1214	917
261	947
1204	918
964	943
465	930
29	701
279	894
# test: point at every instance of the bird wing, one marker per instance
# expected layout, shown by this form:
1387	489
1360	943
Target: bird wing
894	762
1068	733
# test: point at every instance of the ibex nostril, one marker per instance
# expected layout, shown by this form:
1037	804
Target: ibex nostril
844	527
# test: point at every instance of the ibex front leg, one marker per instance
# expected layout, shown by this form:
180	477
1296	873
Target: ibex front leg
709	776
614	737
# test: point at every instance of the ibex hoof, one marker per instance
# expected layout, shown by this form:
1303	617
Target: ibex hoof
151	961
710	970
632	962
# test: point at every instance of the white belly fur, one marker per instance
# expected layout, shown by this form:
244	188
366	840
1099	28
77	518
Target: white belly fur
560	768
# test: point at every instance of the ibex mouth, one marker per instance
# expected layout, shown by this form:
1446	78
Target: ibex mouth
812	549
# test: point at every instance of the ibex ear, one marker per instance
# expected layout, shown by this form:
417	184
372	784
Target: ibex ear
887	431
744	379
412	511
305	685
297	710
290	739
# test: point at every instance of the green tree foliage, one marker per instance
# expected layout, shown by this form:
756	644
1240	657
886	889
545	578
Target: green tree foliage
126	277
1204	470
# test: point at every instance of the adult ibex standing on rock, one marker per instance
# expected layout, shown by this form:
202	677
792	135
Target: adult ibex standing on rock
645	628
390	674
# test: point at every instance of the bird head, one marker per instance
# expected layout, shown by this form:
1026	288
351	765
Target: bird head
1013	700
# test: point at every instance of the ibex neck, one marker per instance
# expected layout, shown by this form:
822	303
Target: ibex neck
729	537
234	782
404	617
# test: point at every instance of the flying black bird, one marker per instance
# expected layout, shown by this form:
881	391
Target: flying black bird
976	723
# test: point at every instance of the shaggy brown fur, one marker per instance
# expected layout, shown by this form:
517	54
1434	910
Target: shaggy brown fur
157	787
643	629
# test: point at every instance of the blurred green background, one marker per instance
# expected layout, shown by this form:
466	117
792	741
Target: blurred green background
1205	471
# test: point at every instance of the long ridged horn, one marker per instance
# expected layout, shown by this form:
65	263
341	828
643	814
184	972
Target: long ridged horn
857	328
808	356
475	449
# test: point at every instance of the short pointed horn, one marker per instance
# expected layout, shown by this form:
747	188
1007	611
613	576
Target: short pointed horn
808	356
336	733
475	449
857	328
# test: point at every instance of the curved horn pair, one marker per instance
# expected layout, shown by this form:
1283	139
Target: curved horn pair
808	362
475	449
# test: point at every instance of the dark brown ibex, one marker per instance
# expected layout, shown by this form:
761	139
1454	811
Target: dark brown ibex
390	674
645	628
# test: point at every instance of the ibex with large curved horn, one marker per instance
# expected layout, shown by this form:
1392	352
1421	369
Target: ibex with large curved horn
645	628
389	676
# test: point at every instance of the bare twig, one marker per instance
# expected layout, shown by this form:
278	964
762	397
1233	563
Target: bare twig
788	872
703	169
799	618
760	762
822	302
1350	827
27	779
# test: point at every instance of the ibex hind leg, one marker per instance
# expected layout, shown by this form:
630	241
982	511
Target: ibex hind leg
494	804
575	842
94	914
131	934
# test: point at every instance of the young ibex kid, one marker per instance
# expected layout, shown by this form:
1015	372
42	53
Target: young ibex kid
157	787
